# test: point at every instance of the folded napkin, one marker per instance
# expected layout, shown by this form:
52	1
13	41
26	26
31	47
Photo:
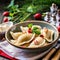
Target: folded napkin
12	52
6	56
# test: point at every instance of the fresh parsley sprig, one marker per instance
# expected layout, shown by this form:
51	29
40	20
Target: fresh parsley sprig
36	30
30	25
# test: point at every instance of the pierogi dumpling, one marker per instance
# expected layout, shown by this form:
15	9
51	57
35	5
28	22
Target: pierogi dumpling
24	29
15	35
25	38
48	34
38	42
32	36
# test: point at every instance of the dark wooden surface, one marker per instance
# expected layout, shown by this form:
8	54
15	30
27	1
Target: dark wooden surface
1	10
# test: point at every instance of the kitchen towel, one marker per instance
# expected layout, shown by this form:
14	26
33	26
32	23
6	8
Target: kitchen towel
12	52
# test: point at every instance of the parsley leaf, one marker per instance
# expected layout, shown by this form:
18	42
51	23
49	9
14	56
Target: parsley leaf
30	25
36	30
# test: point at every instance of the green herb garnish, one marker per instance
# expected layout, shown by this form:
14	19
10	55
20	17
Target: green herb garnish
36	30
30	25
24	9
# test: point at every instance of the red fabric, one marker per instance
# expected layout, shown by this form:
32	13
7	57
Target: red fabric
6	56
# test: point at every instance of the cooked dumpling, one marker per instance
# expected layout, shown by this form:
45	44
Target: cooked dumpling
24	29
15	35
25	38
32	36
38	42
48	34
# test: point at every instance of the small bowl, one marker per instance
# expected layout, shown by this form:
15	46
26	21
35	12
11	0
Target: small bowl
2	33
16	28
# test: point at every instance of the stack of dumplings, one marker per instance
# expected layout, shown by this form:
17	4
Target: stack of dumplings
32	37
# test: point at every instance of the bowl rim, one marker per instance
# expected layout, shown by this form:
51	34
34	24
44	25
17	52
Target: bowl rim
55	40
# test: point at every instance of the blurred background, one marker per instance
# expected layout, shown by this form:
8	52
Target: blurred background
42	5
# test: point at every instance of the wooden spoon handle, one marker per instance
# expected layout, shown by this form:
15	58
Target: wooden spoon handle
49	54
57	55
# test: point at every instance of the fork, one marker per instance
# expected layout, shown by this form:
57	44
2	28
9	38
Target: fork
52	51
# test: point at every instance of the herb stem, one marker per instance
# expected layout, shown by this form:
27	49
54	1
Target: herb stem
16	19
24	19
